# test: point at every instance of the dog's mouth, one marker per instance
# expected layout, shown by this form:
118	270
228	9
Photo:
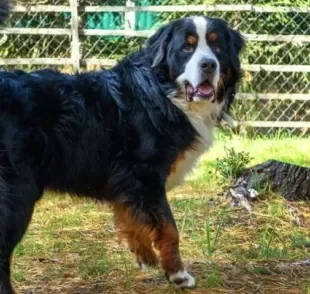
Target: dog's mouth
203	91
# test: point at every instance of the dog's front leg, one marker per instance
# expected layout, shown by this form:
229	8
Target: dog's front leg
146	219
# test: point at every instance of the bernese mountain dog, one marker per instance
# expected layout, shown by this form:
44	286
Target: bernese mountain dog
123	136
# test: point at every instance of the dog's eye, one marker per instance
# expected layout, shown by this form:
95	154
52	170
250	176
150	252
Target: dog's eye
188	48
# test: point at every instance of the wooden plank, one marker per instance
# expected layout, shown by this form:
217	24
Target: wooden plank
249	67
278	38
276	124
35	31
249	37
199	8
165	8
123	33
111	62
145	33
276	68
41	8
75	42
35	61
246	67
275	9
273	96
99	62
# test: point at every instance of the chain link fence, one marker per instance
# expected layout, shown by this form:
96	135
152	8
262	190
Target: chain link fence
275	92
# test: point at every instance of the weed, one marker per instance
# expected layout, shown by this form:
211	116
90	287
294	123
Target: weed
212	238
261	186
231	165
18	275
276	209
94	266
266	250
266	241
129	271
213	278
300	240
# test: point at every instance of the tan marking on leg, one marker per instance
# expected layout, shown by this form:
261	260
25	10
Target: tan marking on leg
141	234
137	233
167	242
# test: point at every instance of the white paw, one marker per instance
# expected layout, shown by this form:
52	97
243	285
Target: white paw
182	279
141	266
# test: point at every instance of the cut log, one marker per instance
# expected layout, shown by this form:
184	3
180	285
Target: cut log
291	181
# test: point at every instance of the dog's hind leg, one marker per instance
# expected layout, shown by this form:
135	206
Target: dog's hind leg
137	236
17	198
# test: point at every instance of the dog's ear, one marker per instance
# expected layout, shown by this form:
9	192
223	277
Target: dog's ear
157	44
236	44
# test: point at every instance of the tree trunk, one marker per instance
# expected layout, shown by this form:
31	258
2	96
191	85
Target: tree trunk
290	180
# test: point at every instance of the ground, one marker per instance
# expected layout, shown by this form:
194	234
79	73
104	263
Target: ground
71	246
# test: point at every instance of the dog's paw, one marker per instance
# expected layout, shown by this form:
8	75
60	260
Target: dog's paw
182	279
141	266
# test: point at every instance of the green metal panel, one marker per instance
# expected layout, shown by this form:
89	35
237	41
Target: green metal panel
146	20
105	21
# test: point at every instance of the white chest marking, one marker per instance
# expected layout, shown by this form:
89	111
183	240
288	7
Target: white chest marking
203	117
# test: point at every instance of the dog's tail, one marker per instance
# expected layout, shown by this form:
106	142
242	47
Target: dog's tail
5	9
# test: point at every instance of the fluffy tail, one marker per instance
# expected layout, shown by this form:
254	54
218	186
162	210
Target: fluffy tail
5	9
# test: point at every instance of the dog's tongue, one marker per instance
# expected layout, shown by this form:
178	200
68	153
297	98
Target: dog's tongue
205	89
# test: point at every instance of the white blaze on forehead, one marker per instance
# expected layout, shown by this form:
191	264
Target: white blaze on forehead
203	48
201	24
192	72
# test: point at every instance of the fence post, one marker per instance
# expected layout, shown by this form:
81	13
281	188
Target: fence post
130	16
75	42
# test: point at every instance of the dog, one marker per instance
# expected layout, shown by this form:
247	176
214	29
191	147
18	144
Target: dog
124	136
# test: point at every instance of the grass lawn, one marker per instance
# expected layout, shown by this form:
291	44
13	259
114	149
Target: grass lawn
71	246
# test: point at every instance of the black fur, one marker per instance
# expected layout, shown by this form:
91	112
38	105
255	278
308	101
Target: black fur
111	135
5	9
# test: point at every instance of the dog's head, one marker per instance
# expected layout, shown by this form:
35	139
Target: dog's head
200	54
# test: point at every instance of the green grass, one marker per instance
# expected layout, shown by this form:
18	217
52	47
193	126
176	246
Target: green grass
213	279
71	246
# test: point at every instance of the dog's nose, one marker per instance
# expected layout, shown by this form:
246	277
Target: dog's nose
208	65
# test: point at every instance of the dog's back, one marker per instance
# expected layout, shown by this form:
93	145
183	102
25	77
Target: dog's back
5	9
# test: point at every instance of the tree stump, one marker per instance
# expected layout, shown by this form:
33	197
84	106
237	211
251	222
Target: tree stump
291	181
